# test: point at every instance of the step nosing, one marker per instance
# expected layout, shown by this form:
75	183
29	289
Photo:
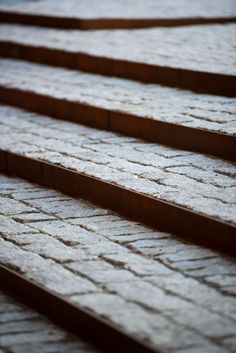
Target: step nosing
197	228
104	114
192	74
194	181
143	15
109	112
179	70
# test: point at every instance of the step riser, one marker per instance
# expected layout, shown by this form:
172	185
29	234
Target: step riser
197	81
158	214
151	130
105	23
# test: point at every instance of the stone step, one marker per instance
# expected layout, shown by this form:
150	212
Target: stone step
177	297
23	329
170	116
93	14
200	58
188	194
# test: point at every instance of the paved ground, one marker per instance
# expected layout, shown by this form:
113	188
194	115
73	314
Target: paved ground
208	48
133	8
200	183
217	114
24	330
180	297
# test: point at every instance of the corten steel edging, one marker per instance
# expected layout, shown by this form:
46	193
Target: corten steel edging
164	216
82	323
104	23
178	136
197	81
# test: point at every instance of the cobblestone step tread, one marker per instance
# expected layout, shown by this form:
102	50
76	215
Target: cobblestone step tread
110	14
141	54
176	178
24	330
166	115
176	296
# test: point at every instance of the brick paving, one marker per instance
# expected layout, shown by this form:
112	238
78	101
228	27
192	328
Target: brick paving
24	330
212	113
179	297
208	48
197	182
170	294
115	9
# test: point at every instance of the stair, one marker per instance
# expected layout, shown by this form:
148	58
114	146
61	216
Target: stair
201	123
117	192
149	284
135	54
158	179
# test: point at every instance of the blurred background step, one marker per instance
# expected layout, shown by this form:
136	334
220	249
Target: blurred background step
188	194
200	58
178	118
93	14
170	294
22	329
72	318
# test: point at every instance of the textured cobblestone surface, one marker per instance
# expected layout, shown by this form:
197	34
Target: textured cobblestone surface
181	107
24	330
208	48
200	183
180	297
133	8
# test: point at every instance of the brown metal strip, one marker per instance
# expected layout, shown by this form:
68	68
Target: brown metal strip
80	322
178	136
197	81
159	214
104	23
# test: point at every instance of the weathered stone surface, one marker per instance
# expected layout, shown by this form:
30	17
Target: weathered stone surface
31	217
24	330
154	170
143	100
163	334
207	348
115	9
8	226
12	207
159	298
44	271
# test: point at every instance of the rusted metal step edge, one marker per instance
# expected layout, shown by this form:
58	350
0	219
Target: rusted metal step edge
178	136
164	216
197	81
104	23
71	317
